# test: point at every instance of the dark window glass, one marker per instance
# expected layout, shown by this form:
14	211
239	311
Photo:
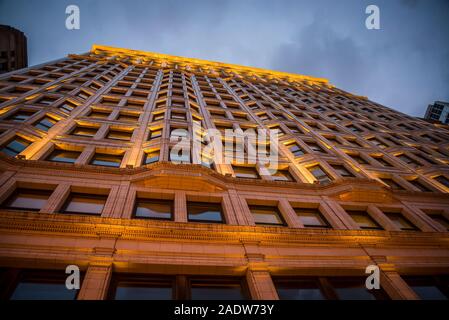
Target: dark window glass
354	289
106	160
304	289
42	286
319	174
418	184
153	209
141	287
315	147
439	218
311	218
21	116
67	106
265	215
342	171
429	288
296	150
392	184
82	203
245	172
364	220
207	212
45	123
27	199
151	157
443	180
283	175
216	290
15	146
400	221
155	290
59	155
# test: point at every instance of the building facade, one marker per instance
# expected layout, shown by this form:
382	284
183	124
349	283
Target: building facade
87	180
13	49
439	111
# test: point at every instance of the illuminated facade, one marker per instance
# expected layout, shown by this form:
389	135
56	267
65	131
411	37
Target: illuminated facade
86	180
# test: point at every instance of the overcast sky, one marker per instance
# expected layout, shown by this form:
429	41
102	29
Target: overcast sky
404	65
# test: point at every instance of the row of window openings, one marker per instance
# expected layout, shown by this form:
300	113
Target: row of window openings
19	144
43	285
145	208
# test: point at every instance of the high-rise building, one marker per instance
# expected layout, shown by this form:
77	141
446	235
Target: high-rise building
438	112
87	180
13	49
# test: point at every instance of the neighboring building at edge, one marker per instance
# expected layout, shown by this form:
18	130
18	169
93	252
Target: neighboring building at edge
13	49
86	180
438	112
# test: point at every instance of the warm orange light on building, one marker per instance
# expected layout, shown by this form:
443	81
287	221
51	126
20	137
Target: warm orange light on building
86	179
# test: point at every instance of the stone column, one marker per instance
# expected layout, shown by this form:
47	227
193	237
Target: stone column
260	284
96	282
394	285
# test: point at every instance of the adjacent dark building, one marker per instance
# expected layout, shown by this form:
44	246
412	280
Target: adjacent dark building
13	49
439	112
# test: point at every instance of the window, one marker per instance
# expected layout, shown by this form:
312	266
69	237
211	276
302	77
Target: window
60	155
319	174
400	221
45	123
421	186
408	160
354	289
84	131
128	117
158	116
27	199
429	288
382	161
342	171
443	180
440	218
283	175
67	106
364	220
155	133
99	114
358	158
151	157
106	160
321	288
295	149
299	289
115	134
315	147
311	218
245	172
42	285
265	215
153	209
392	184
204	212
21	115
377	143
178	116
82	203
159	287
124	287
206	289
15	146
